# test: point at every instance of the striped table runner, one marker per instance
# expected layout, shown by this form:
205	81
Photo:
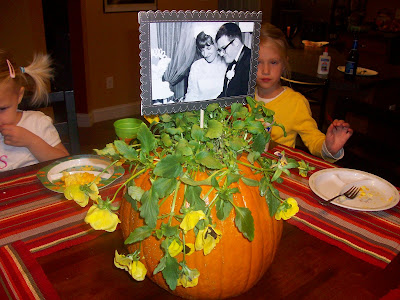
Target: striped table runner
371	236
44	220
21	277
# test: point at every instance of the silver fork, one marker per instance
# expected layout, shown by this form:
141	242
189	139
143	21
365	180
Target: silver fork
350	193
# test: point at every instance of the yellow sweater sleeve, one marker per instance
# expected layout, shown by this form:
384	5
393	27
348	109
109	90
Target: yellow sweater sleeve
293	111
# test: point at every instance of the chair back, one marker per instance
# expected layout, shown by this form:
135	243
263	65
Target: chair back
315	89
65	121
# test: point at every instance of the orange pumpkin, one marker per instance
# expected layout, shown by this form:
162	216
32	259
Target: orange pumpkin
236	264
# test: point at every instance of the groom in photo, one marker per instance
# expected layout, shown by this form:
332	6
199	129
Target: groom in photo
237	56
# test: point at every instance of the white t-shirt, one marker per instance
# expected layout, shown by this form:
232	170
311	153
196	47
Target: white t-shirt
12	157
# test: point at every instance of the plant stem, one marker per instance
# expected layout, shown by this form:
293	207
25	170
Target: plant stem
126	182
102	172
173	203
251	166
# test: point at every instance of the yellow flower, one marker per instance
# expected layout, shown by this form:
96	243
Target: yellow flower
189	248
102	219
189	278
138	270
207	239
152	119
134	267
81	193
191	219
121	261
287	209
175	248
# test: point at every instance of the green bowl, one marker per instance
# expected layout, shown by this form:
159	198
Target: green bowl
127	128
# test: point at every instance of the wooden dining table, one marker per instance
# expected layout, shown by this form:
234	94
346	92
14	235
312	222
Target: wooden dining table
60	257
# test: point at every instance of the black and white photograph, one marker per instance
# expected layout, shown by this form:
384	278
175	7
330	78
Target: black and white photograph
195	63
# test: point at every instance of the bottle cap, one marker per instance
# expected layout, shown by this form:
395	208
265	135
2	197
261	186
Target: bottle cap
326	51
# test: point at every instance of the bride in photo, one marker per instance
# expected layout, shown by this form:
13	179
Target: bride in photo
206	76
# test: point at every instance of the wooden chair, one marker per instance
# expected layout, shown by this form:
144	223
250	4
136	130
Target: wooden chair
64	116
315	89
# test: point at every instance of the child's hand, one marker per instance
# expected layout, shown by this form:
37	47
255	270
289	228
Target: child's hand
337	135
16	136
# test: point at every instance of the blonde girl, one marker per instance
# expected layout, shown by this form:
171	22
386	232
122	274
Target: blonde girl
26	137
291	108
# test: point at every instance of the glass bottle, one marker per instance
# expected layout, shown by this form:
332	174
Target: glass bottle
352	60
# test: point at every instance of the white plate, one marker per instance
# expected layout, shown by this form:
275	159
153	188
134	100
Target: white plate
50	175
376	193
360	71
308	43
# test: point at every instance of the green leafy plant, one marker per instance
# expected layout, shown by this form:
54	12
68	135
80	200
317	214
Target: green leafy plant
171	151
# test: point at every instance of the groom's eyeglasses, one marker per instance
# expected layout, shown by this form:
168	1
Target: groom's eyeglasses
222	50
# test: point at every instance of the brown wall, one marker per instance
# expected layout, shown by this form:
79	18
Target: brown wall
107	45
111	47
22	29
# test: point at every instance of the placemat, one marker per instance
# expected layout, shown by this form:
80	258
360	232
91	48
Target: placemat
371	236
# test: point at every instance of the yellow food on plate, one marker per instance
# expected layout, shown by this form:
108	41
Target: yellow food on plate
78	178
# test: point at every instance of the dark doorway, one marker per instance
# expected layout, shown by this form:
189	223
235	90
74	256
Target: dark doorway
56	26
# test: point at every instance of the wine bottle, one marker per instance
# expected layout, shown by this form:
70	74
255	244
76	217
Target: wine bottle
352	60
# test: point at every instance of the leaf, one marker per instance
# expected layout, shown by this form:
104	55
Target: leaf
164	186
136	192
273	202
259	143
171	271
244	222
207	159
168	230
250	182
253	156
212	107
132	201
224	208
183	148
189	181
197	133
192	195
214	129
237	143
238	124
149	209
174	130
282	127
277	173
139	234
236	107
146	138
166	139
255	127
126	151
214	182
160	266
169	167
231	178
264	186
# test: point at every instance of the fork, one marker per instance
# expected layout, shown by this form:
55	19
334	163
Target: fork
350	193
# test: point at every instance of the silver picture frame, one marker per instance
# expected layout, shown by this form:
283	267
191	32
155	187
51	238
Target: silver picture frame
164	73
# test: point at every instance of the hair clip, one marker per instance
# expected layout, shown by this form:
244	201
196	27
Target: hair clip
11	69
22	69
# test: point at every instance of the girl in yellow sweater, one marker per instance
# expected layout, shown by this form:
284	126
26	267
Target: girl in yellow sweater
292	108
